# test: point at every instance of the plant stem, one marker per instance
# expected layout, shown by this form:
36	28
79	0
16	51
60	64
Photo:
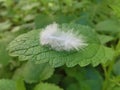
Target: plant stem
107	75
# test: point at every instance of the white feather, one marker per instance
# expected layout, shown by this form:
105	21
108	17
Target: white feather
60	40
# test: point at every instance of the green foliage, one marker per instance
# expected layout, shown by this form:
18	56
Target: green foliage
41	72
105	38
20	84
33	67
82	78
109	26
46	86
7	85
5	38
48	19
27	47
116	68
115	6
5	25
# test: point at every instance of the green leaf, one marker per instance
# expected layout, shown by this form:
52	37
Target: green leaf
41	72
73	86
105	38
116	88
39	23
7	84
117	51
33	73
47	86
88	78
4	57
113	83
116	67
5	25
5	38
20	84
115	7
108	26
47	19
28	47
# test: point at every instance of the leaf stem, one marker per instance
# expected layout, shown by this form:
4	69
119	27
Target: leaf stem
107	73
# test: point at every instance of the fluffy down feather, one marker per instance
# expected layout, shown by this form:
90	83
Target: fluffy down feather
60	40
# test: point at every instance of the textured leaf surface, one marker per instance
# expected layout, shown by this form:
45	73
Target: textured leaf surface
46	86
27	47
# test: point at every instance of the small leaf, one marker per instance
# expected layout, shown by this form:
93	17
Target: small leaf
105	38
117	49
116	88
115	7
5	38
5	25
73	86
39	23
20	84
88	78
47	86
28	47
41	72
47	19
116	67
108	26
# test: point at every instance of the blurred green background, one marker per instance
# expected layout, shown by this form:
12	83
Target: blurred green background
21	16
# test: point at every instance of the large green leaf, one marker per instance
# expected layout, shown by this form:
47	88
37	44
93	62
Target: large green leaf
47	86
28	47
